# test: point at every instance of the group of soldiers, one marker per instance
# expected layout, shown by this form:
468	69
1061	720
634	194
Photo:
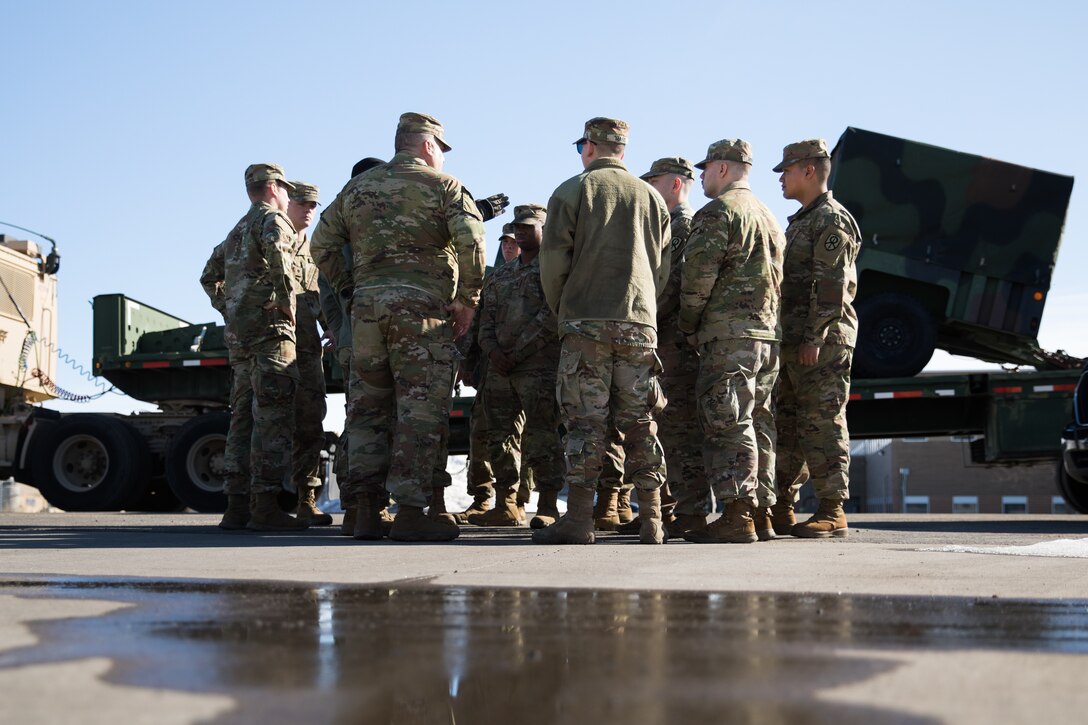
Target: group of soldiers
619	330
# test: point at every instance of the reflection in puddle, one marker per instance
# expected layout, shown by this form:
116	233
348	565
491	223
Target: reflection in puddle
407	653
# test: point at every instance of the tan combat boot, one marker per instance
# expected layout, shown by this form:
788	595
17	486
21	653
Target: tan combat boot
481	503
576	526
266	515
623	507
652	528
307	508
829	520
236	516
782	517
347	526
546	510
631	527
605	516
411	524
735	526
368	522
437	507
682	523
384	515
764	523
505	512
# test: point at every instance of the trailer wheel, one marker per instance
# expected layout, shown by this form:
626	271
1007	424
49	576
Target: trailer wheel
90	462
1073	491
196	463
896	337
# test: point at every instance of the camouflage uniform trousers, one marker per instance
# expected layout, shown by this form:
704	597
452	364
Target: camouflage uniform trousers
523	429
810	413
735	389
481	475
342	463
310	410
678	429
403	364
603	387
262	424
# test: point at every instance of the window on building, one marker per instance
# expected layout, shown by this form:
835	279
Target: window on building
1014	504
965	504
1059	506
916	504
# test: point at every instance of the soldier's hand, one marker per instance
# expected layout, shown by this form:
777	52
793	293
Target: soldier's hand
462	317
328	340
492	206
693	341
500	361
808	355
285	309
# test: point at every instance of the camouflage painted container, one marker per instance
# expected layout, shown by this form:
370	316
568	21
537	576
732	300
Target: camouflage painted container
957	252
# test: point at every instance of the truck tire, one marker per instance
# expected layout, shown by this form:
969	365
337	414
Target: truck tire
1073	491
90	462
896	337
195	463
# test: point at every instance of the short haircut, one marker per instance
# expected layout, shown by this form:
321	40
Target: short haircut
609	148
409	141
822	167
256	189
365	165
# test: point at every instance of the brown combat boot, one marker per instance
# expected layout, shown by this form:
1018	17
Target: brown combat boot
236	516
266	515
735	526
683	523
347	526
623	507
631	527
605	516
411	524
782	517
481	503
546	510
368	523
505	512
576	526
307	508
764	523
437	507
384	515
652	528
829	520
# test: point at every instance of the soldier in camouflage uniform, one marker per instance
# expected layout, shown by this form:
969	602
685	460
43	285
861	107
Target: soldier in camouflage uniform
310	405
417	243
686	495
819	330
730	290
518	337
260	331
603	263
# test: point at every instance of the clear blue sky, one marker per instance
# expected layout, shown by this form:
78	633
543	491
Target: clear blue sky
126	126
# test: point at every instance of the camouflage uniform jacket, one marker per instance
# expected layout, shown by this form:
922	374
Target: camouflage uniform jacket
515	317
258	270
408	226
604	255
333	307
668	303
820	279
307	293
731	283
215	270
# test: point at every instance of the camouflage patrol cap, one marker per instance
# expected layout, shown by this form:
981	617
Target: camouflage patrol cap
530	214
507	231
670	165
303	192
728	149
608	130
813	148
422	123
256	173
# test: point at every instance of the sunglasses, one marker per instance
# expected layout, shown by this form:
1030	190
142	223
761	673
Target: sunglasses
581	145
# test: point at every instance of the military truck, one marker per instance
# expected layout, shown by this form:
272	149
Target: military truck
957	253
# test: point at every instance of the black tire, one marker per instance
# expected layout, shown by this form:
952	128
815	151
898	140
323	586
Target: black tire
1073	491
896	337
90	462
195	461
